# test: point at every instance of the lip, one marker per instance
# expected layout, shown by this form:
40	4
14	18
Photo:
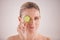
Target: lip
31	27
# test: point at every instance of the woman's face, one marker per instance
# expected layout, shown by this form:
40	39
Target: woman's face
34	22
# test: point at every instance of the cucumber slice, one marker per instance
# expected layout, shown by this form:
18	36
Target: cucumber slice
27	18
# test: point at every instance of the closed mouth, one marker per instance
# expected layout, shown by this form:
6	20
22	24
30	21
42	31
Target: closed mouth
31	27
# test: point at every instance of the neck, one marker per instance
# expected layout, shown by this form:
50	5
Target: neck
31	36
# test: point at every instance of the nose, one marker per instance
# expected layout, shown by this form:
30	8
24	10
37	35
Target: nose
32	22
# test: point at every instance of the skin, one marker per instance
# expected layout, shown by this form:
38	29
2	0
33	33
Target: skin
27	31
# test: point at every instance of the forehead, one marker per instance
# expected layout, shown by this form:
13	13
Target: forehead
32	12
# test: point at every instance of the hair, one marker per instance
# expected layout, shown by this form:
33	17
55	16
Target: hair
28	5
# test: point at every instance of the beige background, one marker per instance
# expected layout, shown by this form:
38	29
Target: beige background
50	17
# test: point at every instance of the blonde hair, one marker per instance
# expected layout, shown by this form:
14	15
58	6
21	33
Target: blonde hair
28	5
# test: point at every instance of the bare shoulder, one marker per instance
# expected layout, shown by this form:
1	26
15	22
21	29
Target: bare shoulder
41	37
15	37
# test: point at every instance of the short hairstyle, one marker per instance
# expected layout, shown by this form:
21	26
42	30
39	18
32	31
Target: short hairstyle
28	5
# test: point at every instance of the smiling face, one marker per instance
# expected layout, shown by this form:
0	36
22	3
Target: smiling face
34	22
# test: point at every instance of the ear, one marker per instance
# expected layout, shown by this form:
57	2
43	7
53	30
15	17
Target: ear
19	18
40	17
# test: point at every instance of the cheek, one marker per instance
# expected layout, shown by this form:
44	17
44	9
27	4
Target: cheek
26	25
37	24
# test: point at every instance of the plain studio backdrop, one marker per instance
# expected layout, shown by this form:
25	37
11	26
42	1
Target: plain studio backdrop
50	17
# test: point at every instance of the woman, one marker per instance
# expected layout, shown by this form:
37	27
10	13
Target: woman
29	20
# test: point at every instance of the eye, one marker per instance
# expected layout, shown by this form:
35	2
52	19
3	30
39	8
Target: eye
36	18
